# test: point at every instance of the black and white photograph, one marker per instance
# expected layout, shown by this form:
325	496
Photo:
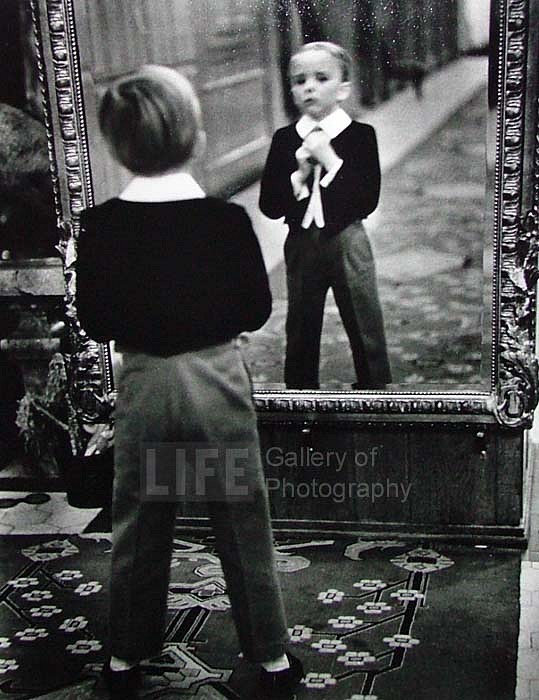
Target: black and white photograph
268	356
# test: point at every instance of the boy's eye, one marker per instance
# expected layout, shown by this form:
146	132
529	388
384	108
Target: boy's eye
322	77
298	79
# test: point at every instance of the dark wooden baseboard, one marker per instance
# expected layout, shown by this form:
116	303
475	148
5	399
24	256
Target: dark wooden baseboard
510	537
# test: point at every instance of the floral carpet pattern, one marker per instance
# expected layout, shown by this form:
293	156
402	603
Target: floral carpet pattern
371	620
428	236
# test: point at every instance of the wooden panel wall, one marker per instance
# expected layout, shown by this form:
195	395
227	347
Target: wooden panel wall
234	83
218	44
432	475
458	482
114	39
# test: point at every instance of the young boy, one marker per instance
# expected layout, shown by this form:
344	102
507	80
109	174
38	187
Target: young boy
323	175
179	268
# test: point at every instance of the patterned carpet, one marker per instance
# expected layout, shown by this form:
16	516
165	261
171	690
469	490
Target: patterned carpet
370	620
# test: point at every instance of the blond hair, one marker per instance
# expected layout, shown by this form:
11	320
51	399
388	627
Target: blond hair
151	119
342	55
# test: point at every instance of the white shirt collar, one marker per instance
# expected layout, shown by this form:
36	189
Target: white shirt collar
333	124
162	188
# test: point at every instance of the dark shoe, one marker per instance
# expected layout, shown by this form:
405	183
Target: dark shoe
280	685
356	386
122	685
303	386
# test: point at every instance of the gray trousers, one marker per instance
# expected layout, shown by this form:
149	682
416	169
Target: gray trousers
344	262
191	397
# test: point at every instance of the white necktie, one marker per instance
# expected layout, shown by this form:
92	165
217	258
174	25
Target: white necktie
314	211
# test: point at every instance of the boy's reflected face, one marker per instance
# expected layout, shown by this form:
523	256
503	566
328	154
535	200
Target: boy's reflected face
317	84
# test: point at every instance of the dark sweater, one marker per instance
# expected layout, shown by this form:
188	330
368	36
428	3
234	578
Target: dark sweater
169	277
352	195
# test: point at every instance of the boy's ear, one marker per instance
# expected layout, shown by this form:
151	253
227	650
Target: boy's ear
344	91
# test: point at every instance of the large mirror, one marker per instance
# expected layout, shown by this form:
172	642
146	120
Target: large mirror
442	83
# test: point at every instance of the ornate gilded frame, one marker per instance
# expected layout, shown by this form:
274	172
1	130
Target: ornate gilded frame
513	392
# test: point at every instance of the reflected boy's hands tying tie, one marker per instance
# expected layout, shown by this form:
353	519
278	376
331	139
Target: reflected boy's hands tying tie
318	145
305	165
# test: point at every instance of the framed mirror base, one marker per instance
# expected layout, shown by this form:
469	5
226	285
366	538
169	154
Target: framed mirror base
461	483
380	534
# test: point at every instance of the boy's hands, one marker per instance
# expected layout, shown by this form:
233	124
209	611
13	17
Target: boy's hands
318	146
304	163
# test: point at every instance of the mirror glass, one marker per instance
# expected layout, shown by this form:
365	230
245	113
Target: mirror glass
421	79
